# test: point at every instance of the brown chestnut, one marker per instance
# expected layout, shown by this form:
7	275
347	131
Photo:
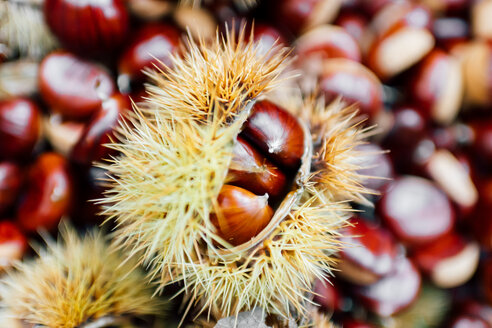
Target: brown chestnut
394	292
49	194
13	244
277	133
438	86
416	210
20	127
97	132
62	134
480	19
469	321
241	214
73	87
450	261
10	183
152	45
88	27
371	252
250	170
354	82
328	296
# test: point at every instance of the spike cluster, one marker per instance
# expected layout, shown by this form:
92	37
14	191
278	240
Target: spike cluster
175	155
79	281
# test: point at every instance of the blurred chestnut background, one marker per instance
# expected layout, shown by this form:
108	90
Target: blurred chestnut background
420	70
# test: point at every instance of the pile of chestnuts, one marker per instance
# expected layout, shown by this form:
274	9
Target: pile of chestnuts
418	70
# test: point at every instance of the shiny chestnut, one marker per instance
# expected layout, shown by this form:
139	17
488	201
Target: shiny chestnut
354	83
371	252
241	215
416	210
13	244
277	133
49	193
151	45
250	170
11	178
73	87
20	127
88	27
90	146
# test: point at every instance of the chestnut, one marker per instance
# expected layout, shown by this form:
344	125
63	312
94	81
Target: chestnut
354	82
277	133
396	14
10	183
267	36
198	21
250	170
438	86
327	41
89	27
447	6
370	254
72	86
416	210
150	10
301	15
394	292
241	215
13	244
151	45
62	134
20	127
48	196
449	261
90	145
447	171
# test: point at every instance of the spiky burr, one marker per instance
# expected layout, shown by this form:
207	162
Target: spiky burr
76	282
175	155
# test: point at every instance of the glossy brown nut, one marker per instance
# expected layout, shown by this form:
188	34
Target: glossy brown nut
198	21
89	27
277	133
98	131
453	178
73	87
394	292
62	134
10	183
468	321
448	6
242	214
438	86
327	41
328	296
152	45
478	309
150	10
251	171
354	83
300	15
13	244
370	252
416	210
20	127
49	194
449	261
386	58
266	37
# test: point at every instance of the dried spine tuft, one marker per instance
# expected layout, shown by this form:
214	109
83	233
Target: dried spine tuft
76	282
